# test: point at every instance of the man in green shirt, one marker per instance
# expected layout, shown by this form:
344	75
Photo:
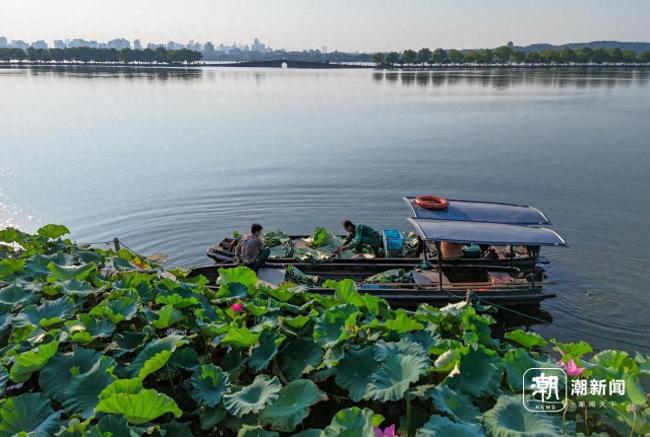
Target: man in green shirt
359	236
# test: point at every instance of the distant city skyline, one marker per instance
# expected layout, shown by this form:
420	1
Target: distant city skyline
362	25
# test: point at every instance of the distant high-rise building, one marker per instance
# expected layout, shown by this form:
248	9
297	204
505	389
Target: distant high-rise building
78	42
257	46
154	46
137	45
59	44
208	47
19	44
172	45
119	44
40	44
3	42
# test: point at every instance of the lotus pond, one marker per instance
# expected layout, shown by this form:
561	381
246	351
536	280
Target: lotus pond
99	343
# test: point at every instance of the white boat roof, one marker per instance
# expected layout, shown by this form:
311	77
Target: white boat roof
475	211
464	232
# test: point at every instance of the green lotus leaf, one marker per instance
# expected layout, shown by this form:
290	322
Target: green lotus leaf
391	381
354	372
439	426
10	267
300	355
254	397
110	425
36	266
516	362
298	321
456	405
5	321
403	322
77	288
141	407
177	301
383	350
88	328
508	418
209	383
116	310
52	231
264	353
81	394
573	350
292	405
127	386
255	431
18	294
480	373
184	358
332	325
618	361
240	337
29	413
32	361
644	363
59	373
150	358
167	316
211	416
351	422
49	313
242	275
526	339
345	291
67	273
310	432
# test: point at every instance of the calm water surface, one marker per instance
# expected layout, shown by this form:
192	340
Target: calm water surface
172	160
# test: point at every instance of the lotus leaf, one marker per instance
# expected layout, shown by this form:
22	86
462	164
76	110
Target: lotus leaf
332	324
32	361
391	381
209	383
141	407
255	431
439	426
47	314
292	405
254	397
300	355
508	418
167	316
52	231
526	339
456	405
128	386
18	294
264	353
67	273
88	328
10	267
516	362
28	413
351	422
480	373
240	337
355	370
152	352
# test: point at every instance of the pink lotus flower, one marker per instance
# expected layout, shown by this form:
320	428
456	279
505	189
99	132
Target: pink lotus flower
571	368
389	431
236	307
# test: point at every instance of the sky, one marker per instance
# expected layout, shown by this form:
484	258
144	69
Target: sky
349	25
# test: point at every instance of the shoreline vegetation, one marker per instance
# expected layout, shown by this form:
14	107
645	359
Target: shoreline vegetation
99	342
500	57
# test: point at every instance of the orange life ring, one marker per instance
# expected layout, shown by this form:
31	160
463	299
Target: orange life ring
430	201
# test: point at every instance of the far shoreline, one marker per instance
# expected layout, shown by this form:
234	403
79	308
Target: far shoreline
289	64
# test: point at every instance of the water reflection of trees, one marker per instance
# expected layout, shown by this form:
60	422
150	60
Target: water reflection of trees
130	72
507	79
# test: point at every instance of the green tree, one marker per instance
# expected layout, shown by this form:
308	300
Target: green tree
644	56
392	58
600	56
533	57
518	56
409	56
456	56
378	58
424	55
615	54
440	56
503	54
584	55
629	56
567	55
485	56
550	56
472	56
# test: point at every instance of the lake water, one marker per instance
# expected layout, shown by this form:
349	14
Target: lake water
173	160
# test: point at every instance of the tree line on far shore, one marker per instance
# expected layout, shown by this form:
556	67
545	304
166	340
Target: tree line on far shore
509	55
88	54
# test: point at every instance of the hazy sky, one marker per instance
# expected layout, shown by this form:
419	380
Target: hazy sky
338	24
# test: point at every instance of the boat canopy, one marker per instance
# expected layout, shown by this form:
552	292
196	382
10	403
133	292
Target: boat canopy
497	234
474	211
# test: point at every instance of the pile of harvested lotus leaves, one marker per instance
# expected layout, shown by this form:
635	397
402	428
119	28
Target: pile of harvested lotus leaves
402	276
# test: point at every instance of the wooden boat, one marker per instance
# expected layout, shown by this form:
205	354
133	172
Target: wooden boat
510	281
